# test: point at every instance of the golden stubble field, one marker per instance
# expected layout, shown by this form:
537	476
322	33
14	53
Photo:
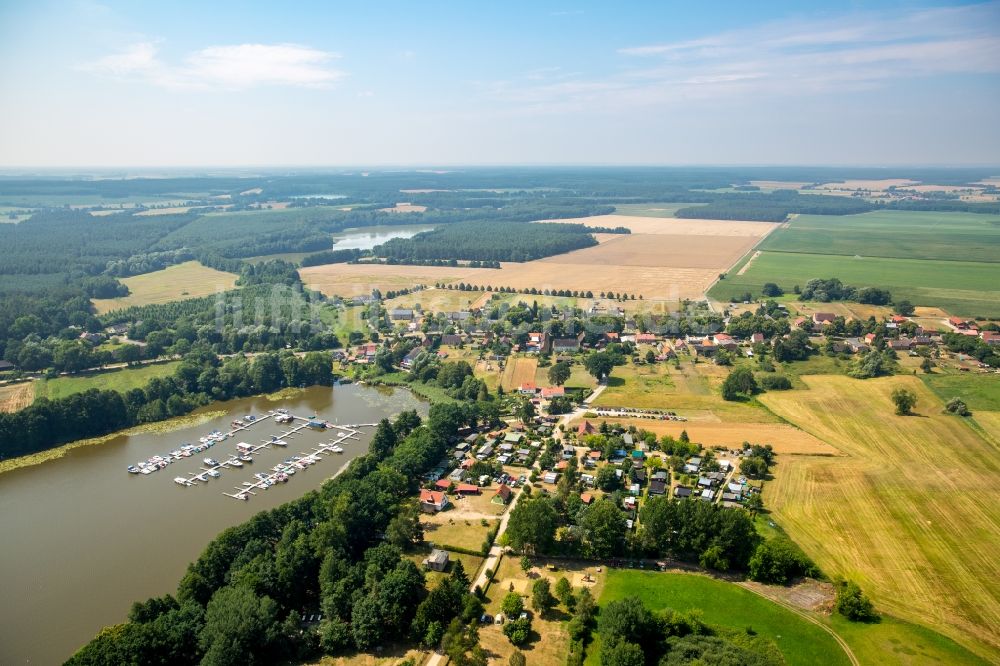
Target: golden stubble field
15	397
664	258
174	283
912	512
517	371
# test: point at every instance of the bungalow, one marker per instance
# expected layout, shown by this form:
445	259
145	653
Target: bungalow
467	489
411	357
705	482
401	314
639	474
433	501
690	469
707	495
437	560
901	344
550	392
990	337
856	345
645	339
568	452
457	474
756	338
730	497
735	488
594	455
459	316
92	338
724	341
502	495
587	480
587	499
561	465
538	343
442	484
823	318
682	492
513	437
528	388
694	460
657	487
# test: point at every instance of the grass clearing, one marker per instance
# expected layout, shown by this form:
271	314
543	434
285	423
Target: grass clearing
727	605
120	380
887	514
444	530
900	642
174	283
652	209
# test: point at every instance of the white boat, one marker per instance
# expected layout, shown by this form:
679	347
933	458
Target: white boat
280	442
337	449
235	462
214	473
211	462
246	458
181	480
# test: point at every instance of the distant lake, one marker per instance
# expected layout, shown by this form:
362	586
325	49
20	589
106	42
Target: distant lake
320	196
366	238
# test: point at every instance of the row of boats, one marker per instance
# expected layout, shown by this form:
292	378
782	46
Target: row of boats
158	462
281	472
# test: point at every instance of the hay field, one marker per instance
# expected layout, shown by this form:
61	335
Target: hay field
785	439
639	224
911	513
874	185
436	300
518	370
405	208
174	283
358	279
15	397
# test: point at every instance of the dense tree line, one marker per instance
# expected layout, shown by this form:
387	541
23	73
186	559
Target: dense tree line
330	257
833	289
774	207
497	241
241	600
200	378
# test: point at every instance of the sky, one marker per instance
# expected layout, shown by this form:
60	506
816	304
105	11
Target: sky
156	84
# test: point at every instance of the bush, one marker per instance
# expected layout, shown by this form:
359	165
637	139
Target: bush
774	382
957	407
853	604
518	631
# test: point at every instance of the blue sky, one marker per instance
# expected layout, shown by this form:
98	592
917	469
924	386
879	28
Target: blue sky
382	83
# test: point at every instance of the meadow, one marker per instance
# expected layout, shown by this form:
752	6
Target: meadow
651	209
120	380
888	514
979	392
181	281
963	288
727	605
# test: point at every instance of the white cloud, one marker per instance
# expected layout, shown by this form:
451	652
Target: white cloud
236	67
856	51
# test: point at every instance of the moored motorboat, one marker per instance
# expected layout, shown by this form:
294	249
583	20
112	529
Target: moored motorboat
214	473
235	462
247	458
181	481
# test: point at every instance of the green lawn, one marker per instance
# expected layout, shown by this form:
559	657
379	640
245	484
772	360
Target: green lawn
979	392
893	641
899	234
727	605
965	288
119	380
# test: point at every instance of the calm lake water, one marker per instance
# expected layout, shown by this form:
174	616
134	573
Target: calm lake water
83	539
366	238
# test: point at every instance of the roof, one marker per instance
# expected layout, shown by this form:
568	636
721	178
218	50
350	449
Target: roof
585	428
513	437
504	491
438	556
431	497
587	498
553	391
467	488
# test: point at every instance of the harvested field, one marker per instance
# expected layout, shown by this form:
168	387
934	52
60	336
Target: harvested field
519	370
887	515
15	397
357	279
874	185
780	184
676	226
652	209
784	438
437	300
405	208
670	259
175	283
173	210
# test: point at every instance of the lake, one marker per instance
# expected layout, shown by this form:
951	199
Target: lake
366	238
83	538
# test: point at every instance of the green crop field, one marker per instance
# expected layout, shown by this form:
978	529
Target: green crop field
964	288
979	392
119	380
898	234
724	604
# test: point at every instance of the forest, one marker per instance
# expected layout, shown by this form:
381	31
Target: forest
498	241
